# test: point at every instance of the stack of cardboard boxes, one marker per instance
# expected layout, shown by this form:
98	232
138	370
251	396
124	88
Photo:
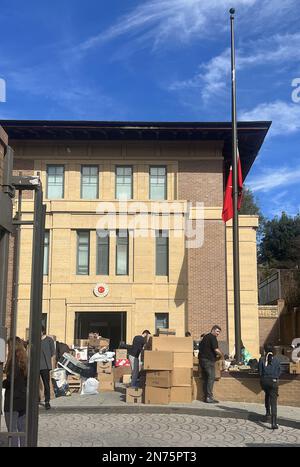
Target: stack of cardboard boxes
105	376
122	366
295	368
169	367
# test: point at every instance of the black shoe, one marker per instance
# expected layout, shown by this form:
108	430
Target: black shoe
211	401
47	405
267	417
274	425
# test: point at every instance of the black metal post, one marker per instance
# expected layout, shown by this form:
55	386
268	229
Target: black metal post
235	220
35	320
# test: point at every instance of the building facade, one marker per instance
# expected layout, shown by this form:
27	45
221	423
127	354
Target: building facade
134	237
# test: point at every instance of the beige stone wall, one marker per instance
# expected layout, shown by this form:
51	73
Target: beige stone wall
248	284
141	294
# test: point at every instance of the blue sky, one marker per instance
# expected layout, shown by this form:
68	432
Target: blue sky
165	60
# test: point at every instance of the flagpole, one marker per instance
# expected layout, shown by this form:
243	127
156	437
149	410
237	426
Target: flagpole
235	220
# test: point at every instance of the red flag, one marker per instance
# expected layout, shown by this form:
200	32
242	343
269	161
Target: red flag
227	212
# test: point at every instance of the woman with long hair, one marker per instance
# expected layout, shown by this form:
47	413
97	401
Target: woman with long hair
269	371
19	389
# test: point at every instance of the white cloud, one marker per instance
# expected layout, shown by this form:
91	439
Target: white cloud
285	117
214	75
178	20
274	177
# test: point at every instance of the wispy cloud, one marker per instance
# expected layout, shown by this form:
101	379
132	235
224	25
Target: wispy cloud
272	178
214	76
285	116
161	20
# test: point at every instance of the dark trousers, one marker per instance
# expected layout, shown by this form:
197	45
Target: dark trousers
135	370
208	377
18	424
45	375
270	388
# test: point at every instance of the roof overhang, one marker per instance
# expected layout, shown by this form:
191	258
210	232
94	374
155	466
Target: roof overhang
250	134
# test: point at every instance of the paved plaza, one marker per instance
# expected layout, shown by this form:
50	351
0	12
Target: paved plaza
158	430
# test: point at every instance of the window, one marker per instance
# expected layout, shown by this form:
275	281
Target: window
83	252
102	266
46	253
161	320
162	253
89	181
124	182
55	181
158	182
122	253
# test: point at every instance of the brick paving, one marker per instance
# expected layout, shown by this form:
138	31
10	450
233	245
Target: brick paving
158	430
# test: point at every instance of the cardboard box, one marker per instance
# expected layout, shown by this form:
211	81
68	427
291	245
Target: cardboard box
134	395
119	371
295	368
182	394
81	343
158	360
183	360
155	395
182	377
99	342
121	354
126	379
105	377
105	386
172	344
104	367
159	379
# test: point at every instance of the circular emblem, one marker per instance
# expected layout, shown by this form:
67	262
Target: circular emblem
101	290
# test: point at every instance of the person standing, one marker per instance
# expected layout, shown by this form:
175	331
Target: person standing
19	390
208	352
269	372
134	354
47	352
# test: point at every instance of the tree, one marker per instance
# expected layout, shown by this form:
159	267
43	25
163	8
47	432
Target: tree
250	206
280	244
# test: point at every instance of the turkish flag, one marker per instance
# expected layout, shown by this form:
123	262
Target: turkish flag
227	212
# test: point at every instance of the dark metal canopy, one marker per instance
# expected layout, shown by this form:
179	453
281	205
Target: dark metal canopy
250	134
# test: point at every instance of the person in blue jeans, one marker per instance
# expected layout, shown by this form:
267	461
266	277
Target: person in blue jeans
134	353
269	372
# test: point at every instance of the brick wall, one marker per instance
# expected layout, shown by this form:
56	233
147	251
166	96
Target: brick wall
247	389
268	331
202	181
3	144
27	168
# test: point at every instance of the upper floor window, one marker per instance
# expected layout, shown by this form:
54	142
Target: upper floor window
46	253
83	252
158	182
89	181
161	321
122	253
102	267
124	182
162	253
55	181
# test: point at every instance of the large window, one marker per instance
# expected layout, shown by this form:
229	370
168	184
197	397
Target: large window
46	253
55	181
102	267
122	253
83	252
124	182
161	321
162	253
158	182
89	181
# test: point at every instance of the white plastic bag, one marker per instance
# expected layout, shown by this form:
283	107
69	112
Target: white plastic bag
90	386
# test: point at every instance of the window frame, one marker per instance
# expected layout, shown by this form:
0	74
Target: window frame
78	232
116	181
81	180
166	182
63	180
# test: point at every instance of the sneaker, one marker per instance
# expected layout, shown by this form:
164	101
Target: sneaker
47	405
211	401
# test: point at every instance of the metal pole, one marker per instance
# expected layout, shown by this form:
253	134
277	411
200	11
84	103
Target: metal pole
235	230
35	320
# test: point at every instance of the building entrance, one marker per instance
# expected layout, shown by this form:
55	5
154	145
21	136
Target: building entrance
109	325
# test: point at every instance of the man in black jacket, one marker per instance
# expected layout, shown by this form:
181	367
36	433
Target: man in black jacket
134	356
208	352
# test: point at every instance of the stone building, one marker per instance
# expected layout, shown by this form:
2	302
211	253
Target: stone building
121	278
